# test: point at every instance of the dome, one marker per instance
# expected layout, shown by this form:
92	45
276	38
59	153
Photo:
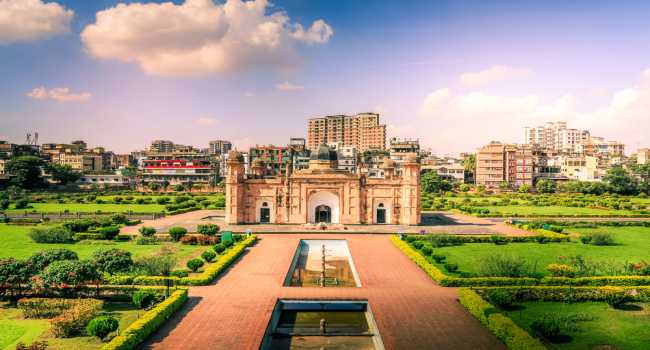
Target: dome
235	156
323	153
388	163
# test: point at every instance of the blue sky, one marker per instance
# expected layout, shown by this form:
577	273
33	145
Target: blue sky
454	74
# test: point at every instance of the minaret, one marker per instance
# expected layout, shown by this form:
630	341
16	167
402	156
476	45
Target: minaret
235	172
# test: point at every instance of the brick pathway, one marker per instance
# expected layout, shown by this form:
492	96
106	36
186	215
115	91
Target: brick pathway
410	310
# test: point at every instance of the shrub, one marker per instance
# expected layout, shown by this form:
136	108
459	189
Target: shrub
191	240
144	299
219	248
208	255
195	264
602	238
119	219
616	296
156	264
561	270
109	232
426	250
42	259
499	265
417	244
44	307
21	203
542	239
547	327
140	240
147	231
68	273
4	204
176	233
78	225
113	260
179	273
54	234
498	239
502	298
207	240
208	229
162	200
585	239
74	320
451	267
227	244
101	326
438	258
440	240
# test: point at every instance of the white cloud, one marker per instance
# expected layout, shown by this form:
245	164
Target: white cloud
464	122
493	74
287	86
199	37
61	94
29	20
205	121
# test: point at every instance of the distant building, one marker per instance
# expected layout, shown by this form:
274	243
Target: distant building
219	147
555	136
178	171
402	148
643	156
84	162
161	146
272	160
362	131
105	180
498	163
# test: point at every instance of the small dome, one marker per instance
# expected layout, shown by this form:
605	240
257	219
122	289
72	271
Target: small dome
323	153
235	156
388	163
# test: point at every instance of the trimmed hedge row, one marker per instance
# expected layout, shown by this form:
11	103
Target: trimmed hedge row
206	277
513	336
570	294
139	330
449	281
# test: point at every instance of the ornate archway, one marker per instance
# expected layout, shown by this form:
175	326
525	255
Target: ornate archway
327	204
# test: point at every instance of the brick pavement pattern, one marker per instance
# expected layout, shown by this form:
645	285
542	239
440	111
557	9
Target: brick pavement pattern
411	311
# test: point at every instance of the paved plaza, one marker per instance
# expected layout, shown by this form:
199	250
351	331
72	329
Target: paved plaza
410	310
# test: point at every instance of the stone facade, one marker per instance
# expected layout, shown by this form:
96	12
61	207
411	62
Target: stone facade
322	193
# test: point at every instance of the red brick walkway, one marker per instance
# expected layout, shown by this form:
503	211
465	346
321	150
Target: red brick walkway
410	310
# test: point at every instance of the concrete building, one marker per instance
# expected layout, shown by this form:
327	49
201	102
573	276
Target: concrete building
161	146
643	156
362	131
555	136
497	163
322	194
400	149
104	180
219	147
84	162
199	171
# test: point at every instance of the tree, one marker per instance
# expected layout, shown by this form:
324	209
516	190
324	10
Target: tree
164	184
14	273
620	181
113	260
545	186
42	259
69	273
63	174
176	233
432	183
153	186
26	171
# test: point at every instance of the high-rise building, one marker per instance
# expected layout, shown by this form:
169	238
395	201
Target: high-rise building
219	147
161	146
643	156
362	131
555	136
498	163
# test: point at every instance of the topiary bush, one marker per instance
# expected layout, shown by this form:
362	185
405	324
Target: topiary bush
602	238
102	326
113	261
109	232
451	267
208	255
426	250
195	264
561	270
21	203
501	298
143	299
438	258
176	233
54	234
219	248
147	231
227	244
208	229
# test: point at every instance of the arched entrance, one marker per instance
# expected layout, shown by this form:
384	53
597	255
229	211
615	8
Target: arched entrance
265	213
323	214
381	214
323	206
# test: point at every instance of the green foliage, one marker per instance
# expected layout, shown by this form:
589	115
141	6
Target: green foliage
63	174
101	326
501	265
144	299
545	186
195	264
620	181
208	255
501	298
176	233
547	327
616	296
68	273
53	234
40	260
73	320
26	171
228	244
109	232
208	229
159	264
451	267
78	225
525	188
602	239
430	182
113	261
142	240
147	231
22	203
219	248
561	270
499	239
426	250
14	273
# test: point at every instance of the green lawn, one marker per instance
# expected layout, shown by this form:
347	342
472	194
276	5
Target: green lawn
511	210
603	325
15	243
89	208
632	246
17	329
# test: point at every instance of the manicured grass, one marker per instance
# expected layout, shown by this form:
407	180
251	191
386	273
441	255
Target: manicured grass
14	328
89	208
15	243
511	210
603	326
632	246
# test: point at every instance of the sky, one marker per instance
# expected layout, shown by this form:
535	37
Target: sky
453	74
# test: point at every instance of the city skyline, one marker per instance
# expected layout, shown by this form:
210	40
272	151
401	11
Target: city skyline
467	70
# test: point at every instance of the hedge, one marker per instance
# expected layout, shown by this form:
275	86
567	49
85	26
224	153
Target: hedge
450	281
513	336
570	294
206	277
148	323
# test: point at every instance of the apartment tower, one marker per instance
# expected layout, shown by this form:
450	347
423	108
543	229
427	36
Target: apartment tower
362	131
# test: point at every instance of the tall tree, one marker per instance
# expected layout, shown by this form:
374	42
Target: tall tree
432	183
620	181
26	171
63	174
